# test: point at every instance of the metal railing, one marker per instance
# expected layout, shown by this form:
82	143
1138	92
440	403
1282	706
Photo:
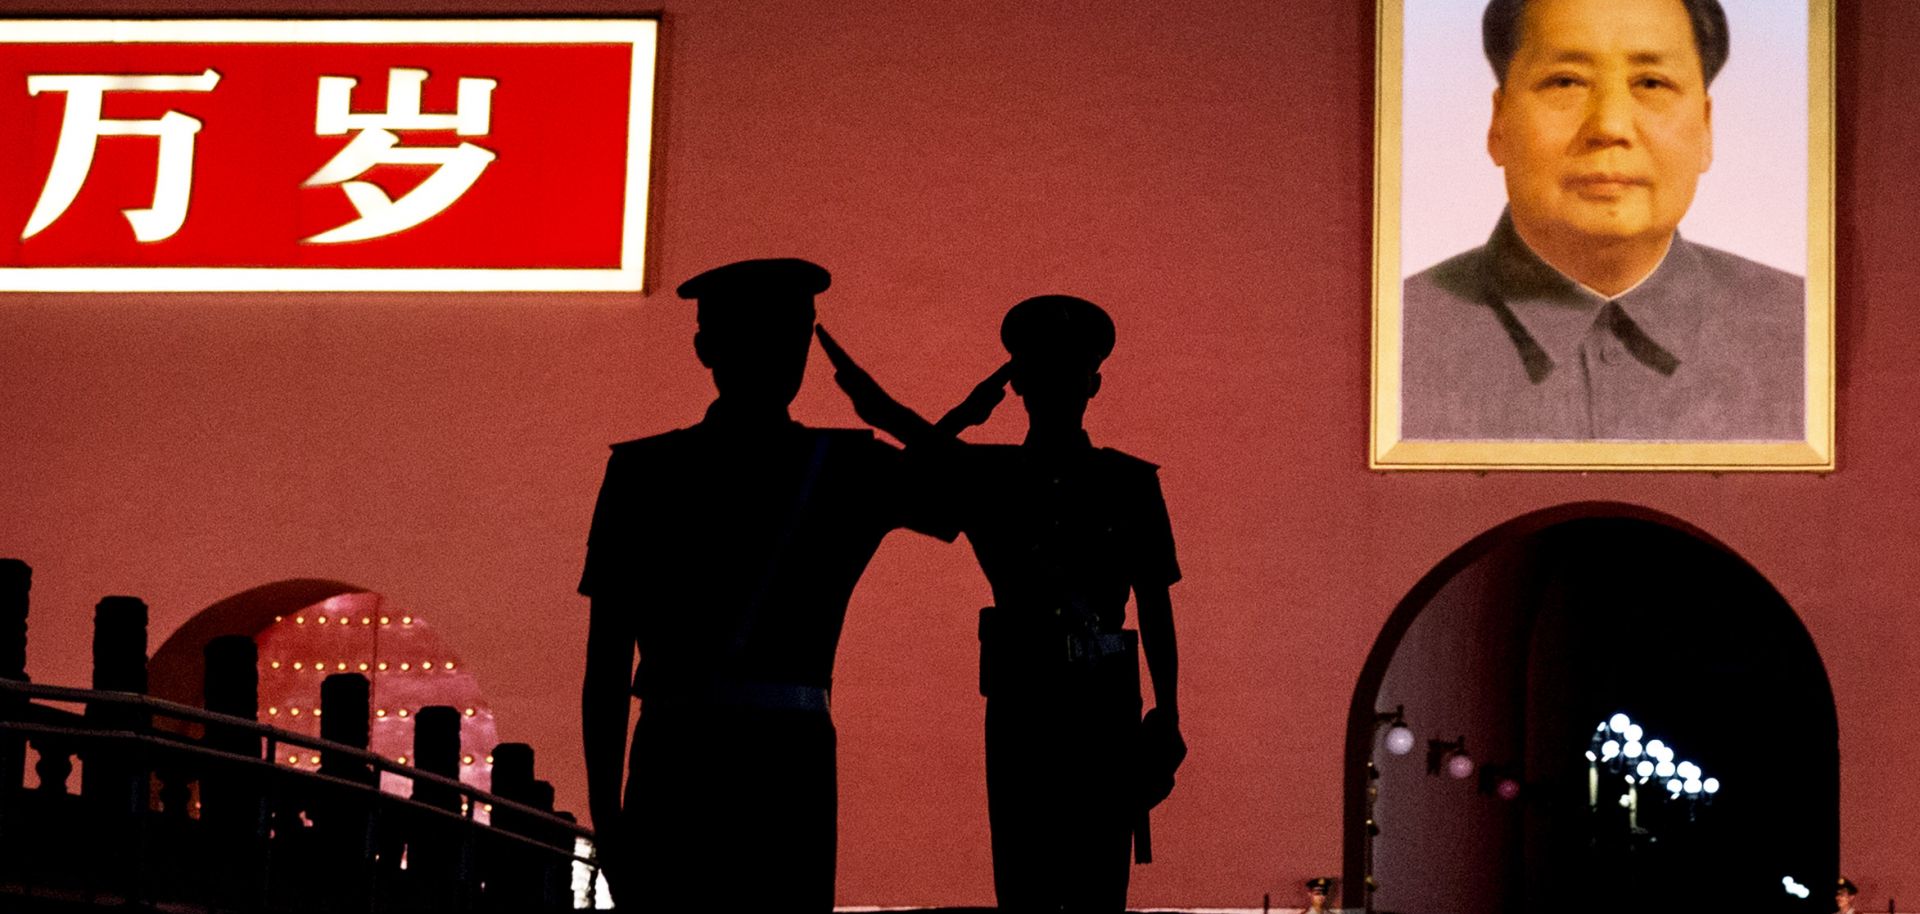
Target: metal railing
166	818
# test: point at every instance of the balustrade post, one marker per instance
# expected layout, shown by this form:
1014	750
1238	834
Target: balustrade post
111	782
343	823
514	875
16	579
232	796
432	843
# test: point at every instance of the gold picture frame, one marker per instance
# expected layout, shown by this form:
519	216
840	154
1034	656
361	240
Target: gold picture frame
1389	449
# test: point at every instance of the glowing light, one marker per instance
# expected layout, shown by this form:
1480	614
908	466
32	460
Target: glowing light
1644	769
316	712
293	760
1609	749
1619	723
469	712
466	760
449	665
405	667
384	620
406	620
1710	785
1692	785
363	667
323	620
489	759
380	713
1591	757
276	664
299	620
1507	789
1631	749
278	618
314	759
403	712
294	711
1664	769
1676	785
1460	766
1688	769
383	665
402	760
273	712
297	665
366	620
1634	732
341	665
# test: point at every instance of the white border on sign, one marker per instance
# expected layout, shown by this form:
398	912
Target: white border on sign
641	34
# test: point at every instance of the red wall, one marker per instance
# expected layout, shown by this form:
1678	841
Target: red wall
1202	169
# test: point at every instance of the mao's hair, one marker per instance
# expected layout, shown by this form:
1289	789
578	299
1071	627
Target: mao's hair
1500	34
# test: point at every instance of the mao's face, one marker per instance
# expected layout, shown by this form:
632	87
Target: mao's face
1603	124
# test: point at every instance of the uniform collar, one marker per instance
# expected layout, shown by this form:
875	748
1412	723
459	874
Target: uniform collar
1062	442
1548	314
731	417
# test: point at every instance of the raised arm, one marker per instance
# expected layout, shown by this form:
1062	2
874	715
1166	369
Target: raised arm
879	409
979	404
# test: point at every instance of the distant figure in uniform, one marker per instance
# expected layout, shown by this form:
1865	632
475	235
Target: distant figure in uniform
1843	896
1318	888
726	553
1064	532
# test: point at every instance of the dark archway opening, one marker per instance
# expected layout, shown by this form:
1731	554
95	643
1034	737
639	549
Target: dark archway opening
1526	639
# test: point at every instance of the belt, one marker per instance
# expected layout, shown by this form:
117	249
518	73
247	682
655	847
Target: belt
1094	647
1037	643
748	695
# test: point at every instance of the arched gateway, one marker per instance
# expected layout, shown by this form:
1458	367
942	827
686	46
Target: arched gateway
1527	644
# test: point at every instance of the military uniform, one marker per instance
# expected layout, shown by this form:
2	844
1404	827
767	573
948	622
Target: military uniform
1063	533
730	549
1321	886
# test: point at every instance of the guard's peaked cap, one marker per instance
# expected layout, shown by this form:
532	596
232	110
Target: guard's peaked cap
1058	325
781	277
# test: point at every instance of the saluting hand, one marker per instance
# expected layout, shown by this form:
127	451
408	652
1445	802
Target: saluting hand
978	407
871	402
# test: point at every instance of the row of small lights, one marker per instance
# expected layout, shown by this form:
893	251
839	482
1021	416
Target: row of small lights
364	620
464	760
377	712
320	666
1655	759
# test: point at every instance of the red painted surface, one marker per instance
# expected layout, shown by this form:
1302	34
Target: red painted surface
1204	171
552	198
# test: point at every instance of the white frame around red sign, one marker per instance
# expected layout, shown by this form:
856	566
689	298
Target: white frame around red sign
641	34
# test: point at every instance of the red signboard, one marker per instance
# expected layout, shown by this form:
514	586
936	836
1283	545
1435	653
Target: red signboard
324	154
